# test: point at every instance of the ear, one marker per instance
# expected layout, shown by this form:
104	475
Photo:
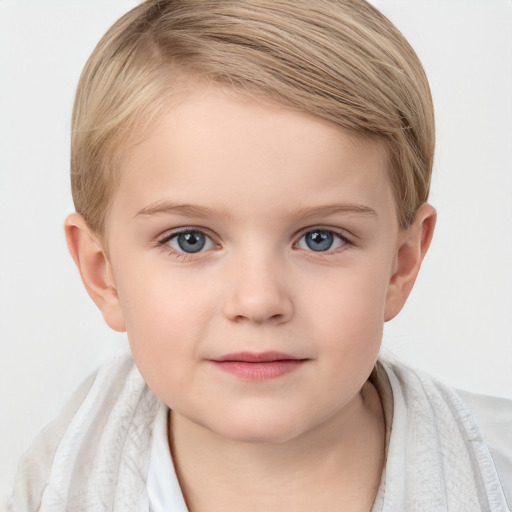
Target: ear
95	271
413	244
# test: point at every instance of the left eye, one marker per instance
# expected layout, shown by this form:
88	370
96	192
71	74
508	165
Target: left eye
190	241
321	240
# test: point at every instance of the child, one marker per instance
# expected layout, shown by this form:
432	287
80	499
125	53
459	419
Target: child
250	180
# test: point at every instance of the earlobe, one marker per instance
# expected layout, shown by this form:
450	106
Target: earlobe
94	268
412	247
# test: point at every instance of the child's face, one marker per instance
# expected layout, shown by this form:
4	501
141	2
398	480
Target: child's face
288	245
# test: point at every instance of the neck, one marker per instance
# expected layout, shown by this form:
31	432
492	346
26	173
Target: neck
341	460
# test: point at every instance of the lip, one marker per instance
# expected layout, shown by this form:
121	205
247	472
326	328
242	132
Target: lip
258	366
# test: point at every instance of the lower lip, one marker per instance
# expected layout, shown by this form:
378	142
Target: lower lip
259	371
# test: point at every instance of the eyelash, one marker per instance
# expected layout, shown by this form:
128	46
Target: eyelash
185	256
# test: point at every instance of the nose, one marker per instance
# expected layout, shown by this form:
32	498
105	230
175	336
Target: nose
257	293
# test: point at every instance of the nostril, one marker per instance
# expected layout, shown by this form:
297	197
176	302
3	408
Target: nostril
277	318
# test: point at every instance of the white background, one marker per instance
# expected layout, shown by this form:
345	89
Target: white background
458	322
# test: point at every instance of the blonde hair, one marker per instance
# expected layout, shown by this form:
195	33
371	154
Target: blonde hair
340	60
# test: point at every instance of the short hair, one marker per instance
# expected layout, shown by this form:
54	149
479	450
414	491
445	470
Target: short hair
340	60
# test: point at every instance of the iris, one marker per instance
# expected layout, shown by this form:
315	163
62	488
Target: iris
319	240
191	241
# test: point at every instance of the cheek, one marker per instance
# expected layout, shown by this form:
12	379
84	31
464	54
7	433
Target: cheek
165	317
360	290
348	311
156	298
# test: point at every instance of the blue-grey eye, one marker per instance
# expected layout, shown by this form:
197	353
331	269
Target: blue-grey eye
190	241
321	240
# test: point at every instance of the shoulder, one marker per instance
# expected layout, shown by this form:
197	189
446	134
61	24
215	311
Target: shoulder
35	466
494	418
493	415
478	428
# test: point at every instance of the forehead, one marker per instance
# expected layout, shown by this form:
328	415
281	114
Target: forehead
217	148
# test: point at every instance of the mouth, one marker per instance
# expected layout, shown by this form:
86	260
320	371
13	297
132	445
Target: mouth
258	366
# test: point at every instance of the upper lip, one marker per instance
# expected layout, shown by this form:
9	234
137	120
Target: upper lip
257	357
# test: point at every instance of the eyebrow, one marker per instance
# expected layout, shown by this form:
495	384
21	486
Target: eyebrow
331	209
185	210
190	210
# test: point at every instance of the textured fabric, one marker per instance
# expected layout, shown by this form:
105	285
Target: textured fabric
101	459
494	417
96	456
436	457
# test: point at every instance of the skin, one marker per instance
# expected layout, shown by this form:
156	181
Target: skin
259	180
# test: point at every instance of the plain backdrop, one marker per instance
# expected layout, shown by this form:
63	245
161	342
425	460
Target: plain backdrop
457	324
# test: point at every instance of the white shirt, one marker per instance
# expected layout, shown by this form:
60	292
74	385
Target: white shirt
163	487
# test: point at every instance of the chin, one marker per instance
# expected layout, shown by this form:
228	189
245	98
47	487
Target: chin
259	431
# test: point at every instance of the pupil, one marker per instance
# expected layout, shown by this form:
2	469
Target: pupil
191	241
319	240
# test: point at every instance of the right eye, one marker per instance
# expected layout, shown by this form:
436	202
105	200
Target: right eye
189	241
